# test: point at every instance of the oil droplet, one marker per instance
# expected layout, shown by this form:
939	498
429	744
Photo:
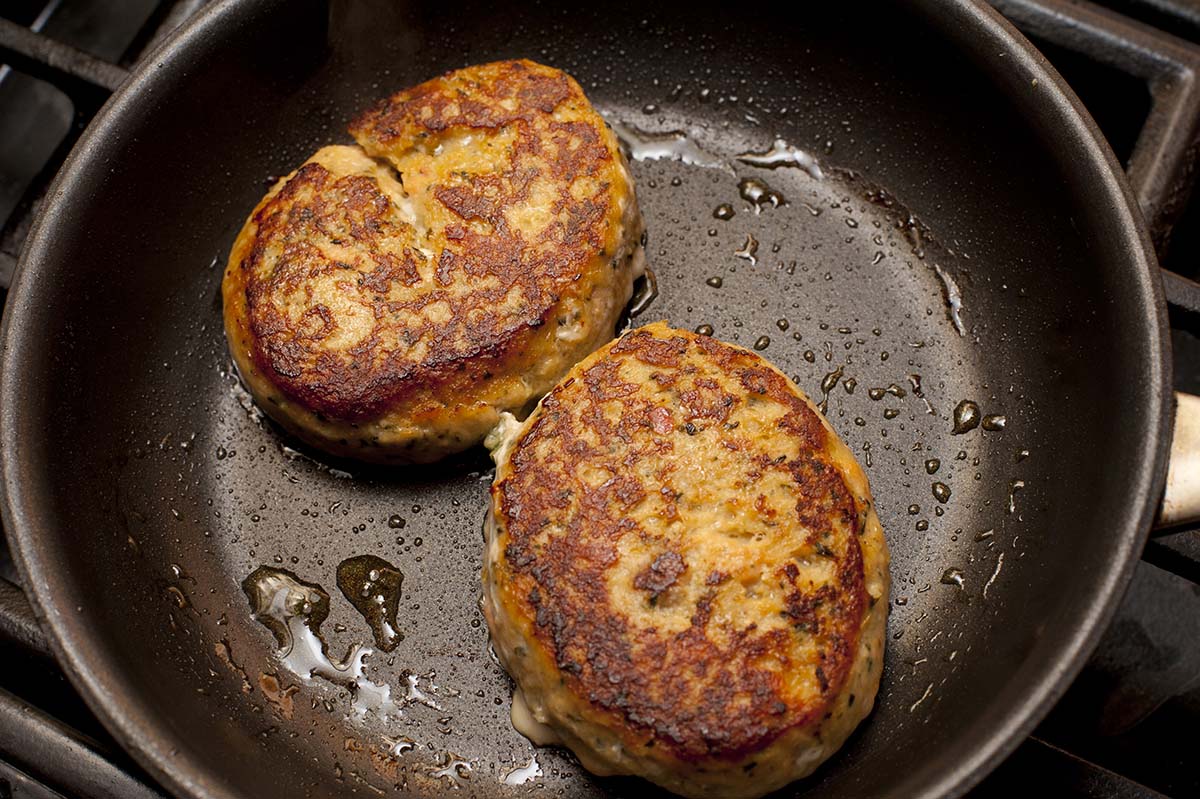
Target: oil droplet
672	146
293	611
762	343
758	193
1013	488
414	694
225	654
749	250
178	597
924	696
896	391
995	574
941	492
913	510
849	384
704	330
994	422
932	465
952	577
914	380
1022	454
966	417
810	356
396	521
782	154
455	769
782	324
724	211
715	281
396	747
827	384
523	774
891	413
983	535
953	298
372	586
922	525
645	292
876	393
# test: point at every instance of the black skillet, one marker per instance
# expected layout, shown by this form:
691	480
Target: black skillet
141	491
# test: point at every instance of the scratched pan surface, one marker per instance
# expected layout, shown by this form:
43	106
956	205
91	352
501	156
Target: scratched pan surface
142	488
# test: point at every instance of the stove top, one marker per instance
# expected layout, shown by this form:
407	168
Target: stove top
1116	732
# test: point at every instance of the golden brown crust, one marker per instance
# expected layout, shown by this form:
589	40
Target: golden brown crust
679	535
391	307
292	258
488	96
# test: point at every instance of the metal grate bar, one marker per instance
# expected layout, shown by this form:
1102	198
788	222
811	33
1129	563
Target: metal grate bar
62	758
25	49
1163	160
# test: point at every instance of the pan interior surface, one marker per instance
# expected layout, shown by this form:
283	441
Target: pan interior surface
940	251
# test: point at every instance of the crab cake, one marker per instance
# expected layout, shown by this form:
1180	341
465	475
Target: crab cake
685	575
389	301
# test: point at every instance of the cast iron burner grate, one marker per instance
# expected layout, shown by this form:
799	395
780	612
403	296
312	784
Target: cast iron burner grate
1135	64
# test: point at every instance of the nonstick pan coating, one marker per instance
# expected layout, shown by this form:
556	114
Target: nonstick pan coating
142	488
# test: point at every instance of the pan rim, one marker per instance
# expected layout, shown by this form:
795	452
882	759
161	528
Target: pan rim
171	760
133	725
1033	68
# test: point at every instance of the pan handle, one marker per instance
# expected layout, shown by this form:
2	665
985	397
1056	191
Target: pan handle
1181	500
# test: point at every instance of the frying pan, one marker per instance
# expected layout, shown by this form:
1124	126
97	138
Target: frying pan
970	228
